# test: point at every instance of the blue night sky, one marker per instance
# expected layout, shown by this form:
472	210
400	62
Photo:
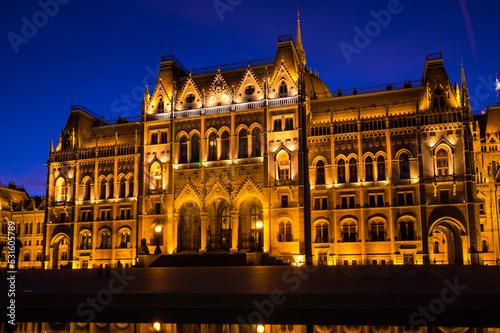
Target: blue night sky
105	51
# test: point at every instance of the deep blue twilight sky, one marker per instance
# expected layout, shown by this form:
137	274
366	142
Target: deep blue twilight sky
103	50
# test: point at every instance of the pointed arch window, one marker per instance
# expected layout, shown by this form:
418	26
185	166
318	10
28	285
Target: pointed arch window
131	186
353	170
349	232
212	147
381	168
442	163
155	173
441	102
285	232
277	127
404	166
60	193
320	173
161	105
283	89
436	247
369	169
195	149
436	103
341	171
224	141
256	142
322	233
183	150
105	236
111	188
102	188
125	239
283	161
123	187
289	124
377	231
407	230
87	189
243	144
86	240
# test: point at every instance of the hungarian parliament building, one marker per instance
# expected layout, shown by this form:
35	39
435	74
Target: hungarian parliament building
261	157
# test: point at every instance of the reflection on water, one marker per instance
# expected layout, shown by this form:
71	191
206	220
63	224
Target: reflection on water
229	328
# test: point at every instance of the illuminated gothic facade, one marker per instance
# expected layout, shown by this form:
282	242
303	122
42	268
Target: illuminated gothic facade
263	155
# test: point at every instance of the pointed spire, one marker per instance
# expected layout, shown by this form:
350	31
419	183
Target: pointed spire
51	145
300	48
464	85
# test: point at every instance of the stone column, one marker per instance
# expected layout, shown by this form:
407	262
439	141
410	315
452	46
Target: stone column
204	219
235	216
175	231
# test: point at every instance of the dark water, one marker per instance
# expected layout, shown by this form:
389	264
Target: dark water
28	327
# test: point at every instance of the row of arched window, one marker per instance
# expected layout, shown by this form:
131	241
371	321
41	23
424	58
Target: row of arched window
219	147
27	230
105	188
105	240
349	231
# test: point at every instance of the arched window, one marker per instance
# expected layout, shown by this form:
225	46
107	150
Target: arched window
131	186
87	189
436	103
381	168
341	171
441	102
436	247
407	230
161	105
369	169
60	193
277	125
212	147
485	246
256	142
285	232
38	230
123	187
404	166
320	173
289	124
111	188
283	162
226	218
26	256
155	173
349	232
64	255
105	236
195	149
322	233
442	163
125	239
243	144
86	240
377	231
353	170
183	150
283	89
224	141
102	188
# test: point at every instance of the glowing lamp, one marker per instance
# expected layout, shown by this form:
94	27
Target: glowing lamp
259	224
157	326
260	328
158	228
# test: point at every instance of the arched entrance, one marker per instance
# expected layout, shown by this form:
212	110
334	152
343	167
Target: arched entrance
219	226
189	230
59	249
250	236
446	245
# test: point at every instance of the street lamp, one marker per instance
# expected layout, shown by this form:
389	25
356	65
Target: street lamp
259	224
158	229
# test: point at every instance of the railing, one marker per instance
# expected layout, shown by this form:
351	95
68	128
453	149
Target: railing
187	113
448	178
283	101
249	105
250	160
218	109
234	65
170	57
285	38
285	182
380	87
159	116
184	166
435	56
